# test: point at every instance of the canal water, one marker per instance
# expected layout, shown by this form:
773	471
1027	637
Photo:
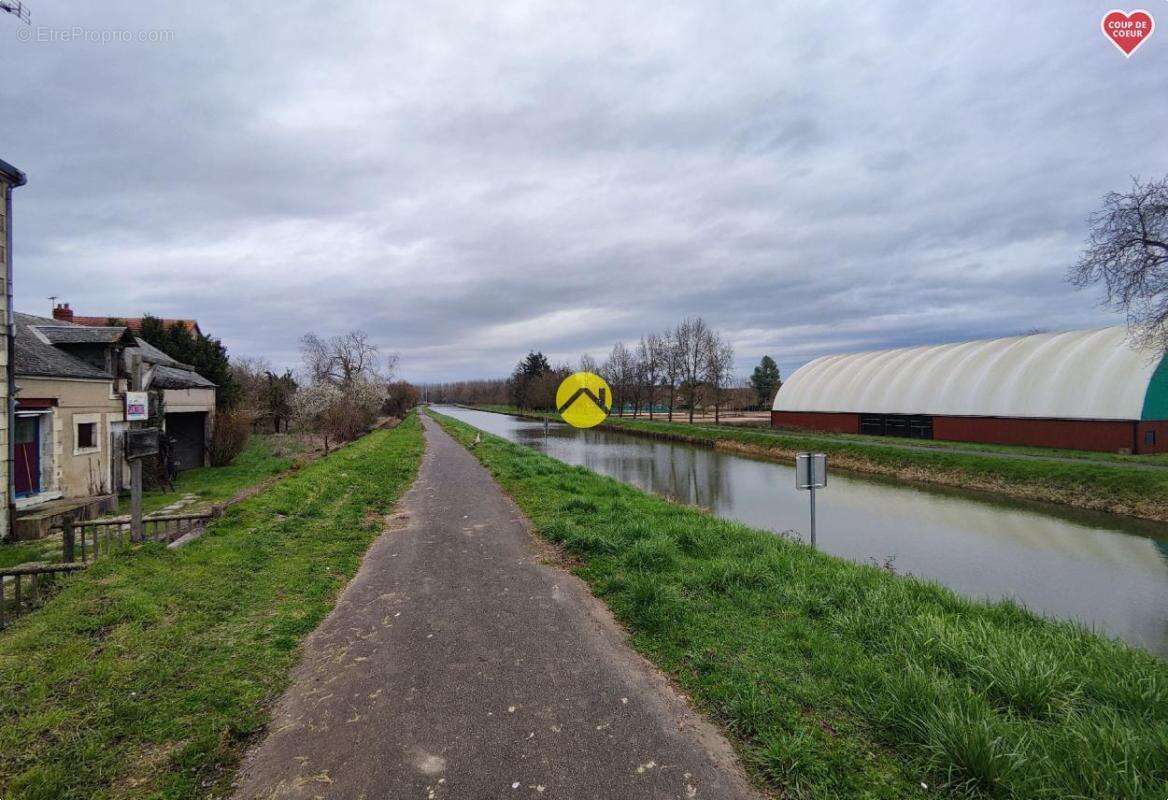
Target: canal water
1109	573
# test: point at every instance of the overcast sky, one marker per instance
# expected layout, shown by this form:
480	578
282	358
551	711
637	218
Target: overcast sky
467	181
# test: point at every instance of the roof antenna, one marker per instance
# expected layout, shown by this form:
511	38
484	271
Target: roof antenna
15	8
52	297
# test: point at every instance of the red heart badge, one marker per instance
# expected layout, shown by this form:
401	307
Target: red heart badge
1128	30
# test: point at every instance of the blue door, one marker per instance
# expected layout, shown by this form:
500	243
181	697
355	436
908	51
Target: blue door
28	456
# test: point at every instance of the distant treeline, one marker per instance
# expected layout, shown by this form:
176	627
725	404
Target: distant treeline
689	367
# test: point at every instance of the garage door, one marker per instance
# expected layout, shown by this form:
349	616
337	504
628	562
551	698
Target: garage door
187	432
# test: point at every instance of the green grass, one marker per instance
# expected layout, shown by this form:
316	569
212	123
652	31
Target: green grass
146	675
841	680
263	457
1102	485
17	553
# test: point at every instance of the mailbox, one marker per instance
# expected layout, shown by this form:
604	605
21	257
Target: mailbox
141	443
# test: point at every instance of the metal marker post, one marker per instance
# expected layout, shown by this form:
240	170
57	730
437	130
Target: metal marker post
812	517
811	474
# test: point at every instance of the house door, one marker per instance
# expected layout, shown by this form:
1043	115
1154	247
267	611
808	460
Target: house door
28	456
118	456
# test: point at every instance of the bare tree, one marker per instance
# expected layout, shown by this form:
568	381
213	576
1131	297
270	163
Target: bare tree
719	370
671	366
693	342
618	371
251	376
1127	251
344	360
589	364
651	355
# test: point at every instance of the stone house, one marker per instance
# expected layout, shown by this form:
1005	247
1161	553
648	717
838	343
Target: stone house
10	178
70	415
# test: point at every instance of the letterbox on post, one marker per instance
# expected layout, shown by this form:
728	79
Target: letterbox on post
141	443
811	474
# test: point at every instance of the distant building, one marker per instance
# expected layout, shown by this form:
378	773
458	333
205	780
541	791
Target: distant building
1083	390
10	178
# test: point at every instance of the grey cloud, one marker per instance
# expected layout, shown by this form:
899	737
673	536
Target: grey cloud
809	177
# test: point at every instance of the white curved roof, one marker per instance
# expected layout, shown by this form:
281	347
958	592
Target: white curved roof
1093	374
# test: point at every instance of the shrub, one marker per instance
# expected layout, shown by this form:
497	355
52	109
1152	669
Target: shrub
229	437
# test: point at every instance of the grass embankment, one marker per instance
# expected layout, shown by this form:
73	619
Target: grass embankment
840	680
145	676
1076	478
263	457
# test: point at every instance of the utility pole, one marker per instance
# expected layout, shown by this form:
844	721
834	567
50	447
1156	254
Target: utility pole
136	464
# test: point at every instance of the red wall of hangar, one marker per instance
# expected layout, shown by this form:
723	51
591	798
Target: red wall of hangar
1108	436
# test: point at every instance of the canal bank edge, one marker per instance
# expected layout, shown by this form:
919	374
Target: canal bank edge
840	678
1126	491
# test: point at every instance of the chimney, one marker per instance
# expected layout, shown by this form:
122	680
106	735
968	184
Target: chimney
63	312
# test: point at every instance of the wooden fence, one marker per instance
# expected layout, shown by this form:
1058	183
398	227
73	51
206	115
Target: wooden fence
23	588
90	540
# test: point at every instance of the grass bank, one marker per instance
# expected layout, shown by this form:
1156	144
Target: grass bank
146	675
264	457
840	680
1084	480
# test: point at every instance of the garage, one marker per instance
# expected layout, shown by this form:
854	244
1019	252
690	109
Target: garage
188	434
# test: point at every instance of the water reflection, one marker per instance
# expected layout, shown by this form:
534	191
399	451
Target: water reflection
1102	570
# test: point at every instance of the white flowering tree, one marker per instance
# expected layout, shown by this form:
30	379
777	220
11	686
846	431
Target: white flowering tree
348	386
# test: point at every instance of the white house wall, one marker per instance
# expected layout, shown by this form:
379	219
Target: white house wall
183	401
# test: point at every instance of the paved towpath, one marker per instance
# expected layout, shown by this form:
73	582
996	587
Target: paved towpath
458	665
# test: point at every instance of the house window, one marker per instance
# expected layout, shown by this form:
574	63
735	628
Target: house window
1150	438
86	433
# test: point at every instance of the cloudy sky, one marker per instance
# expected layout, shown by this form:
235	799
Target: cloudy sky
466	181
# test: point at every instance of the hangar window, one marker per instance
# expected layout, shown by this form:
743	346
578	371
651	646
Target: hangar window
915	426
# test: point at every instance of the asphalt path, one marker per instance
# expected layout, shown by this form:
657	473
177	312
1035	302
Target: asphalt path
460	662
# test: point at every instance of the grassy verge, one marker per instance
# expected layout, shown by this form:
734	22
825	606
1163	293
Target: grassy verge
145	676
840	680
1116	487
17	553
263	457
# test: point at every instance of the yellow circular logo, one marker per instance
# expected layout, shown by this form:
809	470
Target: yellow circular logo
584	400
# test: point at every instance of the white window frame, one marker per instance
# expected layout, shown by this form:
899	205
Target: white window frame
85	419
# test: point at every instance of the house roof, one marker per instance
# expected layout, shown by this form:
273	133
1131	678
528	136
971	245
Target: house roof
134	323
152	355
15	176
41	350
37	355
169	373
166	377
57	333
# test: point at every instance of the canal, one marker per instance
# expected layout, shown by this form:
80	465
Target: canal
1107	572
